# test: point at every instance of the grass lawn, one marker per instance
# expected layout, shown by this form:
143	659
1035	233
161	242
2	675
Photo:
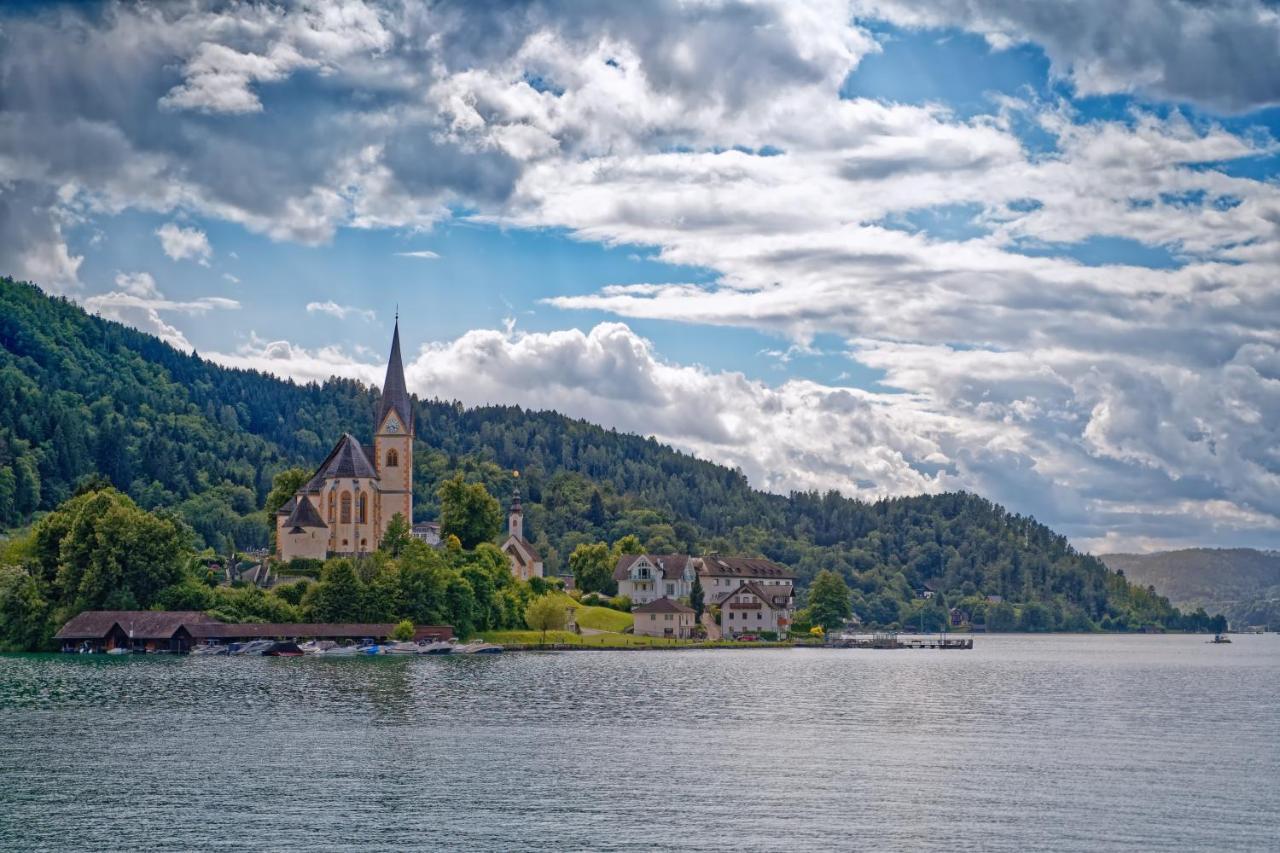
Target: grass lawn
599	618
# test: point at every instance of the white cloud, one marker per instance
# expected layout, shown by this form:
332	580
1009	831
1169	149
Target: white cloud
1125	395
181	243
231	278
138	302
342	312
425	254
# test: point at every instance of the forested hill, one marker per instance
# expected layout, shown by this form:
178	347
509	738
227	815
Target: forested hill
1241	583
81	396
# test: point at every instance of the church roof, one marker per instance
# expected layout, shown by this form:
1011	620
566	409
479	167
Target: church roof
347	459
287	507
304	515
395	396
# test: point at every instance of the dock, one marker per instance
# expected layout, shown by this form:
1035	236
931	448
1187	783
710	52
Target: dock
896	641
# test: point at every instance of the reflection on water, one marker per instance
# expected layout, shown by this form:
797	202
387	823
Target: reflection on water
1082	743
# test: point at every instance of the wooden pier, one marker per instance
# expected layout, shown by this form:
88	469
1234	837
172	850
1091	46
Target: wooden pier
895	641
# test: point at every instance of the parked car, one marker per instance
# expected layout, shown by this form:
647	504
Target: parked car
747	638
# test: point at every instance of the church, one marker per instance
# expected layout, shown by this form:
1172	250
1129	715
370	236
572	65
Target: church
345	507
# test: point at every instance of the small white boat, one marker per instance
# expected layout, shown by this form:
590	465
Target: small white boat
338	651
316	647
253	648
439	647
210	650
478	647
400	648
118	651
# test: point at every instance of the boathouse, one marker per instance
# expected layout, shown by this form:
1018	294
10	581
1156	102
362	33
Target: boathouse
135	630
178	630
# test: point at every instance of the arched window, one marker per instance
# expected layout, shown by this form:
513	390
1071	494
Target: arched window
361	516
333	499
346	507
393	458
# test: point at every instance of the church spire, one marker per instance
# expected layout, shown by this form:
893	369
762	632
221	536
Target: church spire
395	397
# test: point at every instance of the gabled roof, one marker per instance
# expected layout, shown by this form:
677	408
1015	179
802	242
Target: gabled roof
304	515
777	597
671	565
663	605
347	459
744	567
137	624
395	396
287	507
523	548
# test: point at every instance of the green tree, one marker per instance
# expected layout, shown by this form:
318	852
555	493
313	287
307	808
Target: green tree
23	612
592	567
545	614
468	511
396	536
696	597
629	544
339	596
403	631
829	600
1002	617
283	487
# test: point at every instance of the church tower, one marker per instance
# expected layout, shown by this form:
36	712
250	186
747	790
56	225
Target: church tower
393	443
515	521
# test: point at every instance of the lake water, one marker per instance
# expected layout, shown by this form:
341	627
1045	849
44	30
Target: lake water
1052	742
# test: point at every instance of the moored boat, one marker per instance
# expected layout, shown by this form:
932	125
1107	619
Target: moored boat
478	647
283	649
400	648
439	647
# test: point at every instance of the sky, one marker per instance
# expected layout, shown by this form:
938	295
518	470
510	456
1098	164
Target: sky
889	248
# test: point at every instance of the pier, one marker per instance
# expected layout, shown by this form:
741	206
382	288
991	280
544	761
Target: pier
896	641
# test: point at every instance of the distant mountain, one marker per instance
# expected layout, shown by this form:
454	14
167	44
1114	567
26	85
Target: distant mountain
85	398
1241	583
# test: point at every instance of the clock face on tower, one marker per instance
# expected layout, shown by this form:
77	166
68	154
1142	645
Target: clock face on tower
392	426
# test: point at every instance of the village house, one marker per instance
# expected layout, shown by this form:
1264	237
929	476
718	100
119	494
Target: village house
347	504
525	561
647	577
722	575
664	617
753	608
428	532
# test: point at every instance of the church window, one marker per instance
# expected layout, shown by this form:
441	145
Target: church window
333	498
346	507
361	516
393	458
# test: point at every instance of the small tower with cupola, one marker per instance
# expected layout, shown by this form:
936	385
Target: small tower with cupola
393	443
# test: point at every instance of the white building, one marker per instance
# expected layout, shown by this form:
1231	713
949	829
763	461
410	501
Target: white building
753	607
647	577
525	561
664	617
427	531
722	575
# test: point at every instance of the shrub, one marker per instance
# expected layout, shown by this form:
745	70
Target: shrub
620	602
302	567
403	631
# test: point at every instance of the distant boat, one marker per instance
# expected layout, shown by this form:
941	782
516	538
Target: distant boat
118	650
478	647
252	648
400	649
338	651
283	650
439	647
1220	638
210	650
316	647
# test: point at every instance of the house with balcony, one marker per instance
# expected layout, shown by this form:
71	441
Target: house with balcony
647	577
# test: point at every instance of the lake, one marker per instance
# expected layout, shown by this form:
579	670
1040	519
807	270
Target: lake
1026	742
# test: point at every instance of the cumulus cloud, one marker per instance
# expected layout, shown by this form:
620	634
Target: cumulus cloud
342	312
1224	55
181	243
1129	400
138	302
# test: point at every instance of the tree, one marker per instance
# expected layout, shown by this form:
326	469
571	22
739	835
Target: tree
696	597
468	511
1002	617
592	567
596	514
22	611
396	536
545	614
403	631
629	544
339	597
829	600
284	486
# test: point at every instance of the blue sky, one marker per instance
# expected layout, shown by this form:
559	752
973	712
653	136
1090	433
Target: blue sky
886	248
